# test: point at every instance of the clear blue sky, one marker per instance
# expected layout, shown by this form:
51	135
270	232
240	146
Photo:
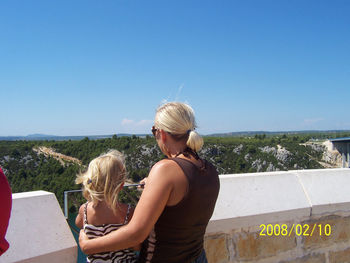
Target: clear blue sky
103	67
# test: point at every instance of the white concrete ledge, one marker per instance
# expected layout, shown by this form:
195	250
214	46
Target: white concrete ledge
38	231
252	199
327	189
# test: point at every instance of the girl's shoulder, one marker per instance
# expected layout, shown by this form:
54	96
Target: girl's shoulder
103	215
79	220
125	213
125	207
82	208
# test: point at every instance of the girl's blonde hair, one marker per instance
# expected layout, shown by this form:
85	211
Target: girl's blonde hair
104	178
178	119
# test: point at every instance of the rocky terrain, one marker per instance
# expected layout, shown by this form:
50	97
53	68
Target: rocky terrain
53	165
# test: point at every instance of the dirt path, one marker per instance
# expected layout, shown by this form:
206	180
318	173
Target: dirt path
58	156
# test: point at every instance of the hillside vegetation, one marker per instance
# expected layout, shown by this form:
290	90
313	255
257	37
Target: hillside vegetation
53	165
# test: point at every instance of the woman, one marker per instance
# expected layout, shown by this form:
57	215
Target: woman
178	200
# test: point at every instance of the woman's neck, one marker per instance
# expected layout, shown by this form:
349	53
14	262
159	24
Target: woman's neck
175	149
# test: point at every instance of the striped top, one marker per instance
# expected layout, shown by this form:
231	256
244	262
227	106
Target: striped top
120	256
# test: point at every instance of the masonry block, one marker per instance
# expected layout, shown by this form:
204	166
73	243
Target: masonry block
216	248
250	246
340	256
328	230
313	258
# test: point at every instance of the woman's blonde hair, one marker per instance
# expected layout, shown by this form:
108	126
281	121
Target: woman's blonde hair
178	119
104	178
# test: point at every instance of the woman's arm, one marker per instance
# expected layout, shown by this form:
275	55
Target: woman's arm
138	246
150	206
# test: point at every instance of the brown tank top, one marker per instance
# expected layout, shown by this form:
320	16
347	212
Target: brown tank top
178	234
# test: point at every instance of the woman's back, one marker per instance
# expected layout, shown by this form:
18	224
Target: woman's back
178	234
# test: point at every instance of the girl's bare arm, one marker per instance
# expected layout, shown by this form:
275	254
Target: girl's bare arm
80	217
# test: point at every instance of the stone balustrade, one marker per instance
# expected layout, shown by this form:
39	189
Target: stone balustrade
38	231
294	216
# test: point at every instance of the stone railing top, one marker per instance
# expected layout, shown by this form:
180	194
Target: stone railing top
32	194
257	198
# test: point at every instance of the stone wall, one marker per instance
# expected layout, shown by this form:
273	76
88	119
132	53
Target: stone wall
294	216
38	231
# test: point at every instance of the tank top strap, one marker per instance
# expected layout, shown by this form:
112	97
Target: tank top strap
187	164
85	213
188	167
127	214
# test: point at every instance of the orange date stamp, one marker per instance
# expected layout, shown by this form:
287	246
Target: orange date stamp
298	229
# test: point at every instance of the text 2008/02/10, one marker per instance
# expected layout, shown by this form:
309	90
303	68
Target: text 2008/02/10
298	229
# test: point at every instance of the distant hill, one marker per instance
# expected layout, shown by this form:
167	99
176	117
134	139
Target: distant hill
38	135
44	137
274	133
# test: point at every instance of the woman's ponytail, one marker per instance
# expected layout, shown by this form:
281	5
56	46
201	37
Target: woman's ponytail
194	141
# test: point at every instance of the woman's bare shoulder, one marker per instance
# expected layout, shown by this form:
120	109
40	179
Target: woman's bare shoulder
164	167
166	164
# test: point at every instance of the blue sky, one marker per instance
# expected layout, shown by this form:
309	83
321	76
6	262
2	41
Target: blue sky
103	67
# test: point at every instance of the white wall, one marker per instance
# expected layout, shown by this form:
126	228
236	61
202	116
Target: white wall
252	199
38	231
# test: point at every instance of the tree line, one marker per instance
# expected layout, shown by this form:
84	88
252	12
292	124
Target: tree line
27	170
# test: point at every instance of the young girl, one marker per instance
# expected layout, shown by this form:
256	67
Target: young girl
103	213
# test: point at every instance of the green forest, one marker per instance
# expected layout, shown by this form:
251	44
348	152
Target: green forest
28	170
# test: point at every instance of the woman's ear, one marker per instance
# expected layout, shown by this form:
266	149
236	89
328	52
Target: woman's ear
163	136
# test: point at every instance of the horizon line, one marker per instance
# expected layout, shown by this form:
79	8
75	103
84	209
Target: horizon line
38	135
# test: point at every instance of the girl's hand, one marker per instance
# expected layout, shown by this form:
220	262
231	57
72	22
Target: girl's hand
83	238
